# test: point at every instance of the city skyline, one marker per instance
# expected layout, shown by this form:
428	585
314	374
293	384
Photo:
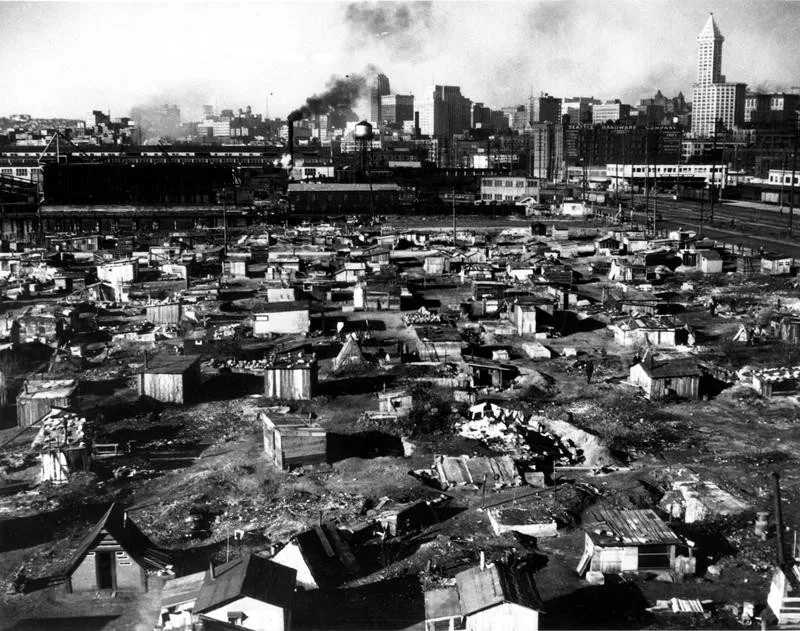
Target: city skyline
71	58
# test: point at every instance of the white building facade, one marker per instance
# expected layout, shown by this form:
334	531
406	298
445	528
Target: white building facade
715	102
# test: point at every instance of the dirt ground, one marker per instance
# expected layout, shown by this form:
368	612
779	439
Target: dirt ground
196	474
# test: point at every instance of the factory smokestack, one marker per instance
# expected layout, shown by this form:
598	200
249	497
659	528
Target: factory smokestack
290	122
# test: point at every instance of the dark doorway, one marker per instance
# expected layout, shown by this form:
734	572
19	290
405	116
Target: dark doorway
654	557
105	570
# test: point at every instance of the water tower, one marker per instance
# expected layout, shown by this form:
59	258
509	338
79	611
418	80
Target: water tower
363	136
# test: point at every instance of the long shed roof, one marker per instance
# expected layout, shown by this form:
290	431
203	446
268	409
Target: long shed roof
630	528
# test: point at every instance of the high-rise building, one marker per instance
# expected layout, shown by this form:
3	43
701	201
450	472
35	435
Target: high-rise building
397	108
578	108
715	102
379	87
545	109
611	111
447	112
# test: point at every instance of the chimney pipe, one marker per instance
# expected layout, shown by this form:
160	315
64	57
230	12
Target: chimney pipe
778	519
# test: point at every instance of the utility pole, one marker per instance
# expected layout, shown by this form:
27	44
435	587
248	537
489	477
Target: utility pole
791	182
713	169
646	175
224	222
630	159
783	171
454	217
700	229
655	182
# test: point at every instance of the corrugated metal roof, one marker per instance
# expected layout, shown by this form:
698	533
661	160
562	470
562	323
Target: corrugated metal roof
631	528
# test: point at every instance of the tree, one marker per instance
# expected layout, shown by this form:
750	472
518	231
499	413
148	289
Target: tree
431	411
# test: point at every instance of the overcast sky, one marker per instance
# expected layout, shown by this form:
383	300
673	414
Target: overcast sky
65	59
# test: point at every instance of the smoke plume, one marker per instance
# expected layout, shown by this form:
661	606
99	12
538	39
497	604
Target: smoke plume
402	27
339	98
157	121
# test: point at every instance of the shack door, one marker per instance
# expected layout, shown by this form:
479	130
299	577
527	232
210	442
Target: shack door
655	557
105	570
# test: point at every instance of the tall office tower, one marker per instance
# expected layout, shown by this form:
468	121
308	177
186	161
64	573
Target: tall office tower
715	102
445	113
545	109
378	87
397	108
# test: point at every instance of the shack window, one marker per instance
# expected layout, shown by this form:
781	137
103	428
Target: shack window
655	557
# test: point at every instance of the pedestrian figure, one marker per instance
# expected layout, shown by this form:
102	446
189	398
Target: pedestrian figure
588	368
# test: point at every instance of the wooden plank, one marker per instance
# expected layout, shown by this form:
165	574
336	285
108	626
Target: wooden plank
323	539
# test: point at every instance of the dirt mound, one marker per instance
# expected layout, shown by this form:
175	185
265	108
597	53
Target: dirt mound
594	450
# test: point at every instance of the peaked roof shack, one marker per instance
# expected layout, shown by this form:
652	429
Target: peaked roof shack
249	576
496	584
116	524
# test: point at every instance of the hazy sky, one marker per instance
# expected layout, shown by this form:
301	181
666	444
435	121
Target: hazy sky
65	59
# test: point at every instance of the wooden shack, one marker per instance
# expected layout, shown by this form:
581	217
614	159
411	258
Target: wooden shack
115	556
397	402
39	396
291	377
437	343
291	440
490	373
658	331
322	557
497	596
620	541
661	379
63	444
495	472
784	595
164	314
171	379
776	264
769	382
787	329
281	318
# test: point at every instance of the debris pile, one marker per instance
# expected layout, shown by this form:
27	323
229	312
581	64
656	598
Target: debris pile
422	316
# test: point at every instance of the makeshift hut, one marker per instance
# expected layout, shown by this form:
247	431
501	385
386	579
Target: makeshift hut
620	541
291	377
496	596
293	440
63	444
39	396
321	556
171	379
350	356
661	379
164	314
